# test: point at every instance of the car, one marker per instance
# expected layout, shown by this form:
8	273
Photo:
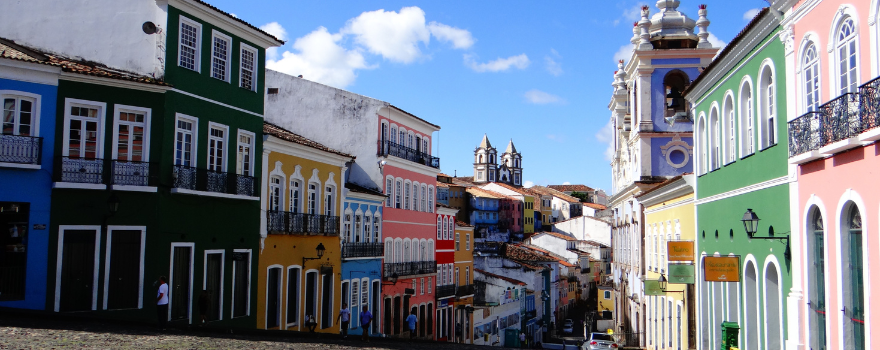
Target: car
568	326
600	341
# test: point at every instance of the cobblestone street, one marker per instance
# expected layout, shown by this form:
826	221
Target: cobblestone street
26	332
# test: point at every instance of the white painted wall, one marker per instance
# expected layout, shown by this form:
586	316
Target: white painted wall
106	31
554	244
336	118
586	229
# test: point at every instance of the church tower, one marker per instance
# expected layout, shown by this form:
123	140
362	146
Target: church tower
510	171
485	166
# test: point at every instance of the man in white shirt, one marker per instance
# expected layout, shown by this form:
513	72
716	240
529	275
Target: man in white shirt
345	316
162	303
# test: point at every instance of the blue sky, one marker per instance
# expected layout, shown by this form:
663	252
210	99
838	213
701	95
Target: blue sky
536	73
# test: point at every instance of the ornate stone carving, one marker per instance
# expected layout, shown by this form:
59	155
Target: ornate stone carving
677	145
703	24
787	38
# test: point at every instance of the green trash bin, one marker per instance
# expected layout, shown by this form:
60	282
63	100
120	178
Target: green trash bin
729	335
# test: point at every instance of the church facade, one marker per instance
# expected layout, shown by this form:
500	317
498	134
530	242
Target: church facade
487	169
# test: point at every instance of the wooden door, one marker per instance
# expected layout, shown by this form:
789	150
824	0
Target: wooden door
214	284
181	283
124	278
78	270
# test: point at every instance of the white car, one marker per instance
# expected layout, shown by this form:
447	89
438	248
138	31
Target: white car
600	341
568	327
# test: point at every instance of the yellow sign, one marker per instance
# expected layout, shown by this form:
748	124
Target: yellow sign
721	269
680	250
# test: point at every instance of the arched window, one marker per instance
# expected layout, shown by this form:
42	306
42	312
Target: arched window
767	103
295	193
398	190
811	78
407	195
368	225
430	199
424	198
846	56
423	249
393	134
388	250
377	224
313	198
431	250
729	117
816	294
675	82
703	145
329	200
451	227
415	205
773	307
407	253
398	251
714	144
439	228
853	286
746	115
358	235
346	220
751	311
275	194
445	229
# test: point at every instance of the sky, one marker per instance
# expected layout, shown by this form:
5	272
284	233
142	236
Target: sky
530	72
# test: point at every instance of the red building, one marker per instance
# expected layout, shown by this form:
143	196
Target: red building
447	273
409	222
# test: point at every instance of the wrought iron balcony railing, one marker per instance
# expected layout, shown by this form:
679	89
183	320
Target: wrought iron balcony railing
464	290
410	268
869	100
197	179
362	249
388	148
285	223
20	149
844	117
444	291
79	170
133	173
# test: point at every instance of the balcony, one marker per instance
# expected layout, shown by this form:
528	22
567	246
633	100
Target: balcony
388	148
362	249
133	173
188	178
289	223
445	291
464	290
79	170
409	268
24	150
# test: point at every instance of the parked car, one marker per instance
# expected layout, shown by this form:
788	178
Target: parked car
600	341
568	326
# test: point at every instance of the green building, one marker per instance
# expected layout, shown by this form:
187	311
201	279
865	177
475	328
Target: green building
161	176
740	113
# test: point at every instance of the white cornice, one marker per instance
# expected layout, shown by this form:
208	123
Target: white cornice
364	196
215	102
671	206
673	190
410	166
802	10
751	188
125	84
220	20
446	211
29	72
275	144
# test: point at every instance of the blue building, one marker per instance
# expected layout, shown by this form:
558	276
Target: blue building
485	207
28	92
362	254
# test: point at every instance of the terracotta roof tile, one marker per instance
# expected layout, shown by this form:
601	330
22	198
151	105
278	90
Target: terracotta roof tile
595	206
572	188
521	253
463	224
277	131
479	192
555	193
508	279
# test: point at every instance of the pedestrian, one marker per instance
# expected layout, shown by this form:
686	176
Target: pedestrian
345	316
522	339
458	332
204	305
311	323
411	321
162	303
366	320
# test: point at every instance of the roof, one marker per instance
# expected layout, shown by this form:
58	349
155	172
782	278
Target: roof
11	50
550	254
442	184
664	183
484	143
595	206
727	49
521	253
360	189
594	243
462	224
281	42
510	147
555	193
414	116
479	192
508	279
441	205
281	133
515	189
572	188
559	235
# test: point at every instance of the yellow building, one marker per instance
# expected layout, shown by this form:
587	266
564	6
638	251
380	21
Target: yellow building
300	256
605	299
669	217
464	294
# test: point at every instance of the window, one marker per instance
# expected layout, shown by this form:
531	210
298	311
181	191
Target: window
295	191
185	141
131	137
457	241
767	100
730	129
357	228
607	294
83	136
439	228
313	199
817	317
397	195
217	147
424	198
479	175
346	233
811	78
376	226
747	133
422	286
329	203
853	286
406	201
244	162
248	76
389	189
354	298
847	59
445	228
275	193
467	241
714	145
393	134
450	225
241	276
430	199
429	285
190	43
19	116
467	275
367	225
220	45
425	148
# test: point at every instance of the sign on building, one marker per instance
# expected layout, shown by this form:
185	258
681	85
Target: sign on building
681	274
652	287
721	269
680	250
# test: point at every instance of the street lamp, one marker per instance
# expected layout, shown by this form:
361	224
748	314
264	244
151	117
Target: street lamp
319	249
750	222
664	283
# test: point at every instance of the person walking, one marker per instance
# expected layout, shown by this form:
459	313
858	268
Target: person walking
345	316
311	324
522	339
411	321
162	303
366	320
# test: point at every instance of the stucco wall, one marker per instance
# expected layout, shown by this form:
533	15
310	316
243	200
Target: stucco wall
586	229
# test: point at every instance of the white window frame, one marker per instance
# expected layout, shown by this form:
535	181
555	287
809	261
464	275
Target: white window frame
248	297
845	14
117	110
813	66
59	259
746	118
245	47
313	208
222	253
272	189
238	153
102	113
35	115
224	160
107	255
195	138
227	66
197	55
192	255
377	227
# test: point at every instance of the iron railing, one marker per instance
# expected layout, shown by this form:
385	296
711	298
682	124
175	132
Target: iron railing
444	291
133	173
464	290
841	118
79	170
197	179
388	148
363	249
285	222
869	101
20	149
410	268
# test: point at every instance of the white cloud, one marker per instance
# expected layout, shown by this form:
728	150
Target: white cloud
716	42
528	184
606	135
320	58
279	32
395	36
624	53
631	14
520	61
460	38
539	97
566	183
750	14
553	67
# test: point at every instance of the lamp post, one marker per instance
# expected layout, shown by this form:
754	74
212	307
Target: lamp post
750	223
320	251
663	283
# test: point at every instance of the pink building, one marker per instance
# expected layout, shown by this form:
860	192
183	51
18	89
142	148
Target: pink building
409	225
831	55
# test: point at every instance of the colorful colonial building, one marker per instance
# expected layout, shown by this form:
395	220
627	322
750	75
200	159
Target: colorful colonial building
447	272
463	318
362	252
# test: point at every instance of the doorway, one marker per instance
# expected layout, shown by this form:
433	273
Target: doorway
273	298
181	281
213	284
77	280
